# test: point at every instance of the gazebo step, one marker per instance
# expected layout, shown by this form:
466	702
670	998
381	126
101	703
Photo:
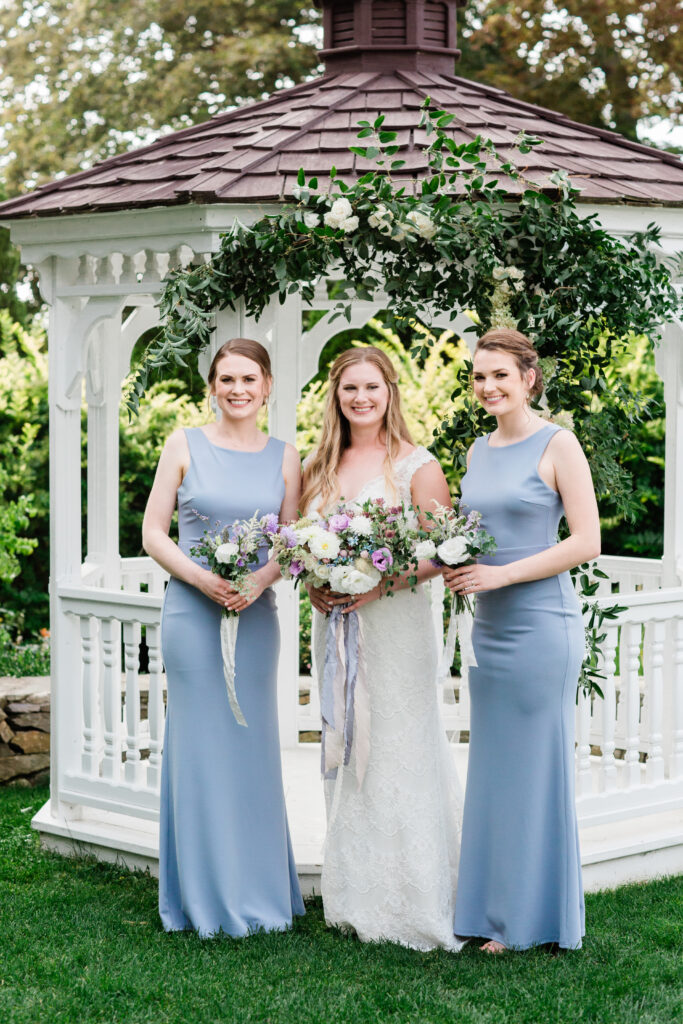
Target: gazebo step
632	850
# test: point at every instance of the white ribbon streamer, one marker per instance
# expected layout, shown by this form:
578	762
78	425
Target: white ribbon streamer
229	626
459	630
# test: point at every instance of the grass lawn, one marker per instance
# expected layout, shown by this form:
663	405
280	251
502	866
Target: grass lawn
81	941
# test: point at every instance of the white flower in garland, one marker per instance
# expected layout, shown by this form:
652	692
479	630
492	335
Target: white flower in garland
424	225
311	220
381	219
340	211
350	224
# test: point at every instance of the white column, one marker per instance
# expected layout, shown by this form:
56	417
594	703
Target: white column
103	394
64	391
669	364
283	338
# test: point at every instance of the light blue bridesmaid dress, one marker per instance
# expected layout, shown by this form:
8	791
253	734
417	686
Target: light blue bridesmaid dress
225	856
520	868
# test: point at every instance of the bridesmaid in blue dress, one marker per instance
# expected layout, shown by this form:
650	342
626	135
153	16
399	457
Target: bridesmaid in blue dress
225	856
520	882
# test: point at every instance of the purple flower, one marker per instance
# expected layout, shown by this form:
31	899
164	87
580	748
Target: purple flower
382	559
271	523
296	568
338	522
289	536
240	562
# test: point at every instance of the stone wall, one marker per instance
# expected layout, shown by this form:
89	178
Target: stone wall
24	731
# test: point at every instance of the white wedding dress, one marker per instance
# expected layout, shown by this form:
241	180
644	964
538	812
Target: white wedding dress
392	845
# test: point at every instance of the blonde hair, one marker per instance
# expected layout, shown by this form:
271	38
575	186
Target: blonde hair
521	348
320	470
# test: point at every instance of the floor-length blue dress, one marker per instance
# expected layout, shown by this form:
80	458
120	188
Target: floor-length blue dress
225	856
520	868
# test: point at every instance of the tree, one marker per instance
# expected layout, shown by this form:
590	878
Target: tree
609	63
84	81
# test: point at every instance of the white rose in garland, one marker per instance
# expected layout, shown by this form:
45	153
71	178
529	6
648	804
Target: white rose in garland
424	225
311	220
340	211
381	219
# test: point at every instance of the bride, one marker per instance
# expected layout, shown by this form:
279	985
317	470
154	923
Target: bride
392	845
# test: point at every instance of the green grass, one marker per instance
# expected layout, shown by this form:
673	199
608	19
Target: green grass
81	942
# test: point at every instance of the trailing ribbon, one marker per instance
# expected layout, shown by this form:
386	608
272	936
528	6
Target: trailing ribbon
459	629
344	698
229	626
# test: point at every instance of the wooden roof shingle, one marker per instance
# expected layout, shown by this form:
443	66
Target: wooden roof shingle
252	154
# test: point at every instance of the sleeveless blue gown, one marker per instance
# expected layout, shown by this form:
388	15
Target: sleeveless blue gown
225	856
520	867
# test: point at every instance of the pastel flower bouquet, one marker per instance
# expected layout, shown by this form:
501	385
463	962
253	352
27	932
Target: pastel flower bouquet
232	552
353	549
455	537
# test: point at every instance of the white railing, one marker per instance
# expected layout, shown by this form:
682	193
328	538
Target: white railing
629	753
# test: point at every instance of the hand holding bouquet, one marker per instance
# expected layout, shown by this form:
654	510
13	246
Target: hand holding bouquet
231	553
454	537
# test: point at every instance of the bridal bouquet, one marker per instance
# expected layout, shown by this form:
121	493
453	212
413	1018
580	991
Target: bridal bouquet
351	550
232	552
454	537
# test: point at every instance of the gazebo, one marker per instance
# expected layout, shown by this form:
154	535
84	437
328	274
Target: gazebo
102	241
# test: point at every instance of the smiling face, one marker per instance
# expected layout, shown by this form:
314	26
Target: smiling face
363	395
239	386
498	382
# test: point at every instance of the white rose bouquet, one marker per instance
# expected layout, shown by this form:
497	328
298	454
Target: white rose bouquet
232	552
454	537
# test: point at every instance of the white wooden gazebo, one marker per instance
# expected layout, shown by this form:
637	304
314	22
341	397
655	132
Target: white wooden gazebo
102	241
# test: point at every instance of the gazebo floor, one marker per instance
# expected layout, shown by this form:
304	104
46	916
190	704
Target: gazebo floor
635	849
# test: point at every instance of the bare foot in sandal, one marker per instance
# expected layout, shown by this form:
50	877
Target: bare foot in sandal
492	946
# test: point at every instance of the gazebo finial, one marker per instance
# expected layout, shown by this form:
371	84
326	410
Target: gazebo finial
403	35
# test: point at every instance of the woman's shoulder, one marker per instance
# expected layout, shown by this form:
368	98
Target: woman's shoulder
415	457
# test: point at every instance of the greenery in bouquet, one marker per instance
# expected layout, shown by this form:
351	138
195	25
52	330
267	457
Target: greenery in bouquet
352	549
233	551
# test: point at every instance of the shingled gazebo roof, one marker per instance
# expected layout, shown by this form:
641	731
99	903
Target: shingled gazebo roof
253	154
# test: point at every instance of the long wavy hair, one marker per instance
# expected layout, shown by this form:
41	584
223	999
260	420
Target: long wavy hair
320	469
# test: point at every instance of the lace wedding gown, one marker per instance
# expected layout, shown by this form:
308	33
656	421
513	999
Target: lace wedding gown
392	845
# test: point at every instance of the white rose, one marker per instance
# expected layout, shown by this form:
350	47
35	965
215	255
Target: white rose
340	211
425	549
453	550
423	224
499	273
350	224
324	545
381	219
344	579
311	220
224	552
361	526
322	572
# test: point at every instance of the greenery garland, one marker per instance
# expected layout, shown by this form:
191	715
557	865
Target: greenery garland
458	241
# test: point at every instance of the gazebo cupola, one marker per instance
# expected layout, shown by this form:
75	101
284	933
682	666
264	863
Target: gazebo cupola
381	35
